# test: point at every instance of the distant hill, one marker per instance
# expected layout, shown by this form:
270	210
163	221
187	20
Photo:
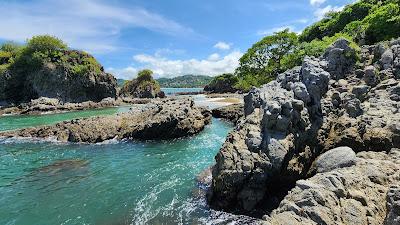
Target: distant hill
121	82
186	81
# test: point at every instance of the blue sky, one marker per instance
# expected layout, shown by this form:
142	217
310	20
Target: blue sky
171	37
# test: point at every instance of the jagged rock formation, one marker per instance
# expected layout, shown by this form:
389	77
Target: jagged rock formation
328	102
365	193
144	86
162	120
231	112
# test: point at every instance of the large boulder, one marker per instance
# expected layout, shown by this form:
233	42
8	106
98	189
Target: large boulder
231	112
144	86
162	120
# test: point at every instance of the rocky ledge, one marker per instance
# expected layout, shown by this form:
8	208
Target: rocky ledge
53	105
159	120
326	103
231	113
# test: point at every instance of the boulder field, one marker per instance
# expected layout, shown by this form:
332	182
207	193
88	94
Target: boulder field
276	163
159	120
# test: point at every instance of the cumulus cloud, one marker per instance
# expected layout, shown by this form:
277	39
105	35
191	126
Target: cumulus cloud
164	67
277	29
90	25
317	2
222	45
127	73
321	12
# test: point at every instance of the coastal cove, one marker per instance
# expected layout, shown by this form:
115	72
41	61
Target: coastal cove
107	183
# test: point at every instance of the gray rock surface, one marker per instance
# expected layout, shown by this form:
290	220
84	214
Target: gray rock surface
162	120
349	195
335	158
307	111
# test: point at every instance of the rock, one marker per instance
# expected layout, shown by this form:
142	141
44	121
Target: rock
144	86
370	77
340	58
348	195
387	59
336	158
60	79
231	112
162	120
393	206
289	122
360	92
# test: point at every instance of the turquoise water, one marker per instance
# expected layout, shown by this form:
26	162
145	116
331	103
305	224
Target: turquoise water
22	121
173	91
115	183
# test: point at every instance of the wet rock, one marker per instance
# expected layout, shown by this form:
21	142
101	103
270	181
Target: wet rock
162	120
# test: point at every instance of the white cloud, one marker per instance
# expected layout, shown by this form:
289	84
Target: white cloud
222	45
213	65
127	73
317	2
276	29
87	24
321	12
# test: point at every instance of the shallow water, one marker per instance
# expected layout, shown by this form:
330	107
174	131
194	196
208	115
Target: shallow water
173	91
115	183
21	121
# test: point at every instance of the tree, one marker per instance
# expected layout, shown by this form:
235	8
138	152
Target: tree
145	75
45	44
263	59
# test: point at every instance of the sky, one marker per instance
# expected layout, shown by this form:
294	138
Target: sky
170	37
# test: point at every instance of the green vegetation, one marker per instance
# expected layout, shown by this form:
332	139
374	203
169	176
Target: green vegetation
144	86
222	83
22	60
186	81
364	22
367	21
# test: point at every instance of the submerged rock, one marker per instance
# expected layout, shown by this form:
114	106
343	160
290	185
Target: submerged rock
163	120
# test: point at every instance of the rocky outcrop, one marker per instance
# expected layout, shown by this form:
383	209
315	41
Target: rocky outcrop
144	86
231	112
161	120
75	77
364	193
327	102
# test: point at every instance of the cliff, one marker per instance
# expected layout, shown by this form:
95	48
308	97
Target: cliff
328	102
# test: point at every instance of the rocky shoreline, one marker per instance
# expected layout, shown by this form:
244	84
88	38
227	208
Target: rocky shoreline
163	119
289	123
45	105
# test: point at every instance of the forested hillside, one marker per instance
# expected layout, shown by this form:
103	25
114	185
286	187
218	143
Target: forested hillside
364	22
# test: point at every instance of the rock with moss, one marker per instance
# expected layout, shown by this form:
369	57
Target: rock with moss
144	86
45	67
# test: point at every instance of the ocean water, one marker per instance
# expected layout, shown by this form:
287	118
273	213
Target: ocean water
125	182
173	91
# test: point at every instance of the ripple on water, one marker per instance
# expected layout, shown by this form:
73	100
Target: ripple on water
123	182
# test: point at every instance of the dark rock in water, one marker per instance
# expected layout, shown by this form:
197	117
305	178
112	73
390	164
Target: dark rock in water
289	122
231	112
63	165
163	120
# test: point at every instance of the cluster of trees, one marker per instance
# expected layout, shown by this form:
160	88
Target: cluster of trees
143	86
364	22
17	61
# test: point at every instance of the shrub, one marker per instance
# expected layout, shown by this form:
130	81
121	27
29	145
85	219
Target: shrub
45	44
